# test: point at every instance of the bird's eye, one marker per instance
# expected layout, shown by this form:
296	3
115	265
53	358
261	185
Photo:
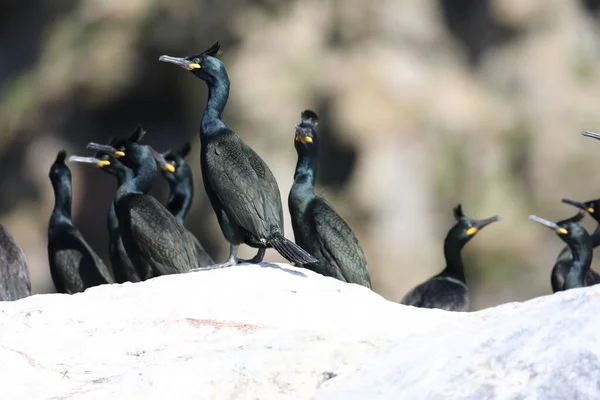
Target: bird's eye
196	61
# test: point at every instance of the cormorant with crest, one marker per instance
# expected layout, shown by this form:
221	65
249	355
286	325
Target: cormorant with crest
242	189
74	265
565	258
122	266
318	229
155	241
178	175
573	274
448	290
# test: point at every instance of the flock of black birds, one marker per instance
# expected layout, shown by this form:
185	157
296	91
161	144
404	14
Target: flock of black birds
148	239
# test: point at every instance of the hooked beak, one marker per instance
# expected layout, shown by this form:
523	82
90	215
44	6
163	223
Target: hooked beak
579	205
302	135
90	160
182	62
591	134
548	224
478	225
105	148
161	161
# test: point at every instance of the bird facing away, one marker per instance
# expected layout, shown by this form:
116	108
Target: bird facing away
155	241
565	258
74	266
178	175
15	282
448	290
122	266
580	243
241	187
318	229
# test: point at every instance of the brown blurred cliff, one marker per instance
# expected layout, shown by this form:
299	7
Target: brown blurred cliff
424	104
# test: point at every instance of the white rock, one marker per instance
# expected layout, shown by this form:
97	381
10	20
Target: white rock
269	332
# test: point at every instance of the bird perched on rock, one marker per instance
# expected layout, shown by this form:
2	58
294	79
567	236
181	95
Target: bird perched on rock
241	187
448	290
15	282
74	265
573	274
178	174
122	266
565	258
318	229
154	239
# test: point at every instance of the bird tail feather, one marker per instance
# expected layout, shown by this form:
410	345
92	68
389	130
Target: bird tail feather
290	250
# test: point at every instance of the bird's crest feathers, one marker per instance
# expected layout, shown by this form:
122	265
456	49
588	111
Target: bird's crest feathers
310	117
61	157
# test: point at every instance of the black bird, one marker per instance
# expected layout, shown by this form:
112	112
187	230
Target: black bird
318	229
242	189
15	282
565	258
178	174
155	241
74	266
580	243
122	266
448	290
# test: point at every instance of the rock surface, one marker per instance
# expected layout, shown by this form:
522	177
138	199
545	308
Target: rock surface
274	331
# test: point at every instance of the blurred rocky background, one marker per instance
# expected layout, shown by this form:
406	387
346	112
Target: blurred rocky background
423	104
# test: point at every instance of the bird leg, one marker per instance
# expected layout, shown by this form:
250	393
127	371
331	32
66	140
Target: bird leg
230	262
256	259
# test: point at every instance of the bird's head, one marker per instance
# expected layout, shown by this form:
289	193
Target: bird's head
568	230
173	165
592	207
305	137
466	228
59	169
205	65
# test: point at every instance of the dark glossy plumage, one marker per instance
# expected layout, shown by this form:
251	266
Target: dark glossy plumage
575	273
448	290
122	267
241	188
15	282
155	241
318	229
178	174
565	258
74	265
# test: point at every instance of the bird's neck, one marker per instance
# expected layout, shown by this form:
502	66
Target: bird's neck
180	198
212	120
62	199
595	236
141	182
582	259
454	264
304	179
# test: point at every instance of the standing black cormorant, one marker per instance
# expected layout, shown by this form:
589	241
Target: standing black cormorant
448	290
242	189
155	241
178	174
122	266
580	243
318	229
74	266
15	282
565	258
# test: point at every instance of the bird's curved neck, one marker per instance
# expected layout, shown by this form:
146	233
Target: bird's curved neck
595	236
180	198
141	183
63	194
218	93
582	259
304	178
454	264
